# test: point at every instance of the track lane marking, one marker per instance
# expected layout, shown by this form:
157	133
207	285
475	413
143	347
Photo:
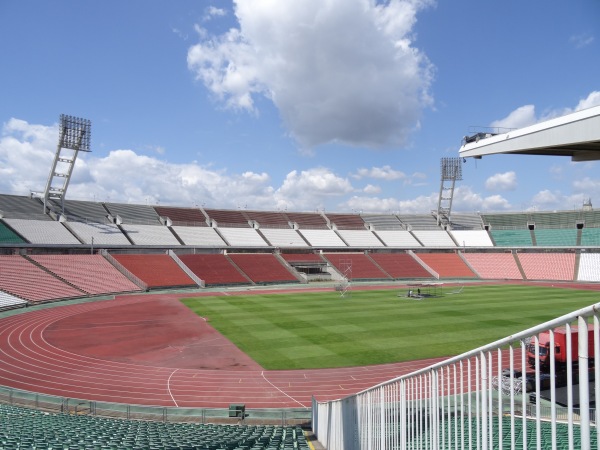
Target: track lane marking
288	396
169	387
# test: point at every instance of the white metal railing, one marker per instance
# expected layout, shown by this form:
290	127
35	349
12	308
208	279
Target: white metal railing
496	396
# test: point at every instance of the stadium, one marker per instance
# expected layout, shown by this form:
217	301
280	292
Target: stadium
98	351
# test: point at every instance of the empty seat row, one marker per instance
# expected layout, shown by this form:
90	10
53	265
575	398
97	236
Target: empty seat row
28	428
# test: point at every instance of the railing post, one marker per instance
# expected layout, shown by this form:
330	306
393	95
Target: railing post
484	401
584	384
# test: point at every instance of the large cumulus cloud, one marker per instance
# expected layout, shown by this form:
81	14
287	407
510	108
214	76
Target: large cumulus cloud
337	70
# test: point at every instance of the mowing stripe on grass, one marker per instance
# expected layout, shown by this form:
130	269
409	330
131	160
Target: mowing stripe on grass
304	330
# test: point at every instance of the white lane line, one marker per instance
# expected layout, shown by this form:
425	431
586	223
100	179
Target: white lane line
288	396
169	387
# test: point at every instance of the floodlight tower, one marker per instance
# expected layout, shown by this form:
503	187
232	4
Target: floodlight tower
74	136
451	171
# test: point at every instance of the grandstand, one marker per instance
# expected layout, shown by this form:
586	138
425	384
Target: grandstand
42	231
398	239
140	214
8	301
307	221
262	267
360	238
363	268
98	233
283	237
9	236
383	221
447	265
214	269
485	246
494	266
150	235
548	266
98	249
156	271
400	265
28	428
199	236
226	218
20	207
434	238
269	219
188	217
92	274
23	279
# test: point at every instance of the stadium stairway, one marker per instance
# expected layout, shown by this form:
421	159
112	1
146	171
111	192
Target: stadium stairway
239	270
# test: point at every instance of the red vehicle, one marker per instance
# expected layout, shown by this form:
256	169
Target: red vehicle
560	347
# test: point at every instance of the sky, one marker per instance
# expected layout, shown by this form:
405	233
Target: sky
299	105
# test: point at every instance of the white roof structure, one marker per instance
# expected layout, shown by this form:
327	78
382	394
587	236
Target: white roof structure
576	135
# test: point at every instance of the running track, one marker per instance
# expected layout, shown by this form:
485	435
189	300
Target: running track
106	351
48	351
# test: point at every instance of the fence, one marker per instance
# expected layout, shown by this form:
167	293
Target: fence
514	393
56	404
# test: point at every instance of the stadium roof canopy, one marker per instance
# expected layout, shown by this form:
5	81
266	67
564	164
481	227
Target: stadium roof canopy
576	135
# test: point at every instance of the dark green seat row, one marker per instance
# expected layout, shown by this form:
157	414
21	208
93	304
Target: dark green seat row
26	428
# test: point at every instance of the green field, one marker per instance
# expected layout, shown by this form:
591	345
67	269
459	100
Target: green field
315	330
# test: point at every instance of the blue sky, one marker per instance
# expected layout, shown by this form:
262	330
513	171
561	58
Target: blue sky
341	105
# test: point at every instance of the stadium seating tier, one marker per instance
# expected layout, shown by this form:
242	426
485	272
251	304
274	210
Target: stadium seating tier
43	231
22	278
25	428
281	237
98	233
400	265
90	273
356	266
262	267
548	266
8	236
214	268
188	217
494	266
447	265
155	270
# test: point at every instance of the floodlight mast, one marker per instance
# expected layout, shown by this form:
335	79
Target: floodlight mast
74	136
451	171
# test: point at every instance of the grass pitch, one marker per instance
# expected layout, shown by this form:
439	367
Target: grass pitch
316	330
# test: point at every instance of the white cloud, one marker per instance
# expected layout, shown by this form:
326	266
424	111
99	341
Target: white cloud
421	204
495	203
593	99
587	184
213	11
581	40
547	200
26	152
125	176
20	145
465	200
370	204
519	118
525	115
506	181
371	190
337	70
311	189
380	173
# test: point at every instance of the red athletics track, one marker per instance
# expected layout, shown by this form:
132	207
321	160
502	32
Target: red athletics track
152	350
